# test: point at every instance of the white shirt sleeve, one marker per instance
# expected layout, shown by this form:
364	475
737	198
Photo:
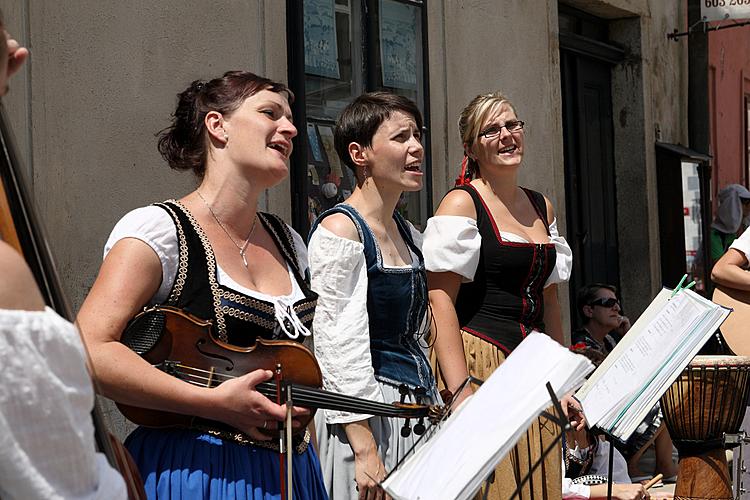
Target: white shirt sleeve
416	236
572	491
600	464
452	244
742	243
46	431
155	227
341	326
564	261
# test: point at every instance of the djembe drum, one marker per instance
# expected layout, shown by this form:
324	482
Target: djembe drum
704	403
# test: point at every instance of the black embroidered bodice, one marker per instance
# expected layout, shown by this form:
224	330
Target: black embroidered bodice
238	318
504	303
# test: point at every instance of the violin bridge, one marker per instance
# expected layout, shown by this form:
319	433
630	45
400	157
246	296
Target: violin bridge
211	372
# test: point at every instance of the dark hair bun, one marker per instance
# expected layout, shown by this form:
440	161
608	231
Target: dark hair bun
184	144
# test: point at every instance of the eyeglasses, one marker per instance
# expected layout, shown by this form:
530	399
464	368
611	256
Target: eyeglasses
605	302
496	130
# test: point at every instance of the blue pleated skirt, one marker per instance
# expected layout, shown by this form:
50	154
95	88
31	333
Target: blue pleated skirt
181	464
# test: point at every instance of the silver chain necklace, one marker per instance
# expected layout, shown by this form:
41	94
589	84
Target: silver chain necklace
242	248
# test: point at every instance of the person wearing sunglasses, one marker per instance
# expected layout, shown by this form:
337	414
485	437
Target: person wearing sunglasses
602	327
601	317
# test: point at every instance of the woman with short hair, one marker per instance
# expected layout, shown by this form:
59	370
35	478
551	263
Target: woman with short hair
368	270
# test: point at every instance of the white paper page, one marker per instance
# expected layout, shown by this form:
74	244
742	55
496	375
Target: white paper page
687	347
649	314
643	402
472	441
643	358
648	359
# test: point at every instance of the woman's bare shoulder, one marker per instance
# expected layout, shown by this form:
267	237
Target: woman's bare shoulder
341	225
18	290
457	202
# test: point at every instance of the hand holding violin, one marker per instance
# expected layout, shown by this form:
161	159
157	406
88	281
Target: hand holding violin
236	402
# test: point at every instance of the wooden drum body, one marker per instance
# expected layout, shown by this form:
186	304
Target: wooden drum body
705	402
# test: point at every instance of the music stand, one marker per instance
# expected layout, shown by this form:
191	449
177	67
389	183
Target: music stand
475	445
558	419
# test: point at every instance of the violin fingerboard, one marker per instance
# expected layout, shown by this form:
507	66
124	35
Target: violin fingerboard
144	331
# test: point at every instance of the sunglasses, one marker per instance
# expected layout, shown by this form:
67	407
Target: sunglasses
605	302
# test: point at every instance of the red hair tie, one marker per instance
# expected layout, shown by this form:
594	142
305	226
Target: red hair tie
465	176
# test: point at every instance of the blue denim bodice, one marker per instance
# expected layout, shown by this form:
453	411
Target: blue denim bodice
396	306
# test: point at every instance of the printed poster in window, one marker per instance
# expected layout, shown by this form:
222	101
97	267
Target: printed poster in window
313	141
398	44
321	51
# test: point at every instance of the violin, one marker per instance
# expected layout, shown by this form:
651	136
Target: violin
20	228
185	347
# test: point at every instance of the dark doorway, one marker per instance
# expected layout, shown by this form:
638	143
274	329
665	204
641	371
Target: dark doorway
586	61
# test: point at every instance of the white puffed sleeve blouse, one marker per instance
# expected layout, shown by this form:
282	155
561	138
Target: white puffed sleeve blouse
452	243
47	438
742	244
338	274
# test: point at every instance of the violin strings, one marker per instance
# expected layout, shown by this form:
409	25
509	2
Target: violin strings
308	396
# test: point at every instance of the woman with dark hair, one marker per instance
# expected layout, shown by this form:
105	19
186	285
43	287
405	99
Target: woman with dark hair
368	270
213	254
602	322
494	258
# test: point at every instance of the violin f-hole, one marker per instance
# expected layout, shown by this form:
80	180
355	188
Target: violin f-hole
200	347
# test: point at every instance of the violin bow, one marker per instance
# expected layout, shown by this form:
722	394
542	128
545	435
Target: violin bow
289	445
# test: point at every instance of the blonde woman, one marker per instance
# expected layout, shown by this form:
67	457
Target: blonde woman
494	259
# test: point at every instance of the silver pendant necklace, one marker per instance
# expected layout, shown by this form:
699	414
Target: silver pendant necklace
242	248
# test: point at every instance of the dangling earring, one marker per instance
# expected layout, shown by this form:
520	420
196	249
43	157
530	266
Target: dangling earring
365	172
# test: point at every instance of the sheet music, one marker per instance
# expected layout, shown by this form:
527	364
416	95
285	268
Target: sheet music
640	369
468	446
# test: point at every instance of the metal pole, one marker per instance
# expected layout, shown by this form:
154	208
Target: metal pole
699	122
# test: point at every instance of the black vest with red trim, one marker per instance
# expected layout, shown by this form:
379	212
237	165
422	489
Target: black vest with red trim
504	303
